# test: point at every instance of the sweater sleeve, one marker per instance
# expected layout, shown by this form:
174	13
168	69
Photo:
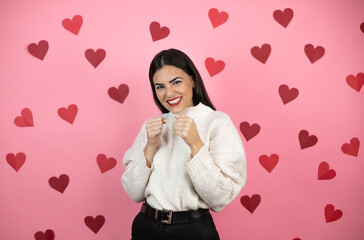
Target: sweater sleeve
136	175
219	173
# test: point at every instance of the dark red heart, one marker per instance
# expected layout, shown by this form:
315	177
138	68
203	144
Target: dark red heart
105	164
214	67
68	114
261	54
119	94
287	94
95	224
313	53
250	203
95	58
351	148
39	51
73	25
357	82
217	18
283	18
249	131
269	163
48	235
158	32
17	161
306	140
26	118
324	173
331	214
60	184
362	27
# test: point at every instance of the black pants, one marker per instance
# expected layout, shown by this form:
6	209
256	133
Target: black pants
202	228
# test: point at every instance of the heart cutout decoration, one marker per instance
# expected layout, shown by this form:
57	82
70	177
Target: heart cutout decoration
214	67
357	82
351	148
68	114
362	27
217	18
26	118
105	164
261	54
283	18
95	57
39	50
250	203
306	140
287	95
313	53
73	25
270	162
60	184
48	235
249	131
158	32
16	161
119	94
95	224
324	172
331	214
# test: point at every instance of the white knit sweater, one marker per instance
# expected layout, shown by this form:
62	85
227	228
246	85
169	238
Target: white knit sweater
211	179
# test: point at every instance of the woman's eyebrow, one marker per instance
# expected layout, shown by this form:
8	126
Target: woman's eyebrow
174	79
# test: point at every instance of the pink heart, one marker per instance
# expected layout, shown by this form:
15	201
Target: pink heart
73	25
95	58
306	140
324	173
68	114
95	224
39	51
261	54
17	161
217	18
250	203
214	67
26	118
158	32
287	94
313	53
357	82
283	18
331	214
60	184
351	148
249	131
269	163
119	94
105	164
48	235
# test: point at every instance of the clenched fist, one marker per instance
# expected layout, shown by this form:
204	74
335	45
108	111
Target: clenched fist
154	128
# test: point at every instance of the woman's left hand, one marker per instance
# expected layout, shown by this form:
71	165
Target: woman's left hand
186	128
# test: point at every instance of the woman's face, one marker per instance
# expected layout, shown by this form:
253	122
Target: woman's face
173	88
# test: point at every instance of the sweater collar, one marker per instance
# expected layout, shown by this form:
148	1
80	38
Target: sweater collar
194	112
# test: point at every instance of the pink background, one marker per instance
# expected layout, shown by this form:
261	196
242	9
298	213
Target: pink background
292	198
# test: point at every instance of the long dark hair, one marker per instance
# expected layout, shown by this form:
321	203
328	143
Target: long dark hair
180	60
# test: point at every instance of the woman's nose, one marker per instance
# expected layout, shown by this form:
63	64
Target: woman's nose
169	92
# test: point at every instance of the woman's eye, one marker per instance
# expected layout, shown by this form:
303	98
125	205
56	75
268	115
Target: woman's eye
176	82
158	87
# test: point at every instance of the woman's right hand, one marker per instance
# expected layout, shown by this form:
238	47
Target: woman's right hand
154	128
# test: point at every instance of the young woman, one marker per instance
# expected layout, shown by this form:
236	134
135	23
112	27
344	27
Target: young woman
184	162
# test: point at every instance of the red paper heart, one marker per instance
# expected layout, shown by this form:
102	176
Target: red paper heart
357	82
331	214
60	184
362	27
17	161
39	51
214	67
217	18
105	164
68	114
352	148
73	25
261	54
95	58
269	163
287	94
324	173
158	32
283	18
95	224
26	118
306	140
313	53
250	203
249	131
119	94
48	235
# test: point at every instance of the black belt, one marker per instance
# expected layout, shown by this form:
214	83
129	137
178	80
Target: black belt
169	217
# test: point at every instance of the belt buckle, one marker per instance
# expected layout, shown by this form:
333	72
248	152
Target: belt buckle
169	221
